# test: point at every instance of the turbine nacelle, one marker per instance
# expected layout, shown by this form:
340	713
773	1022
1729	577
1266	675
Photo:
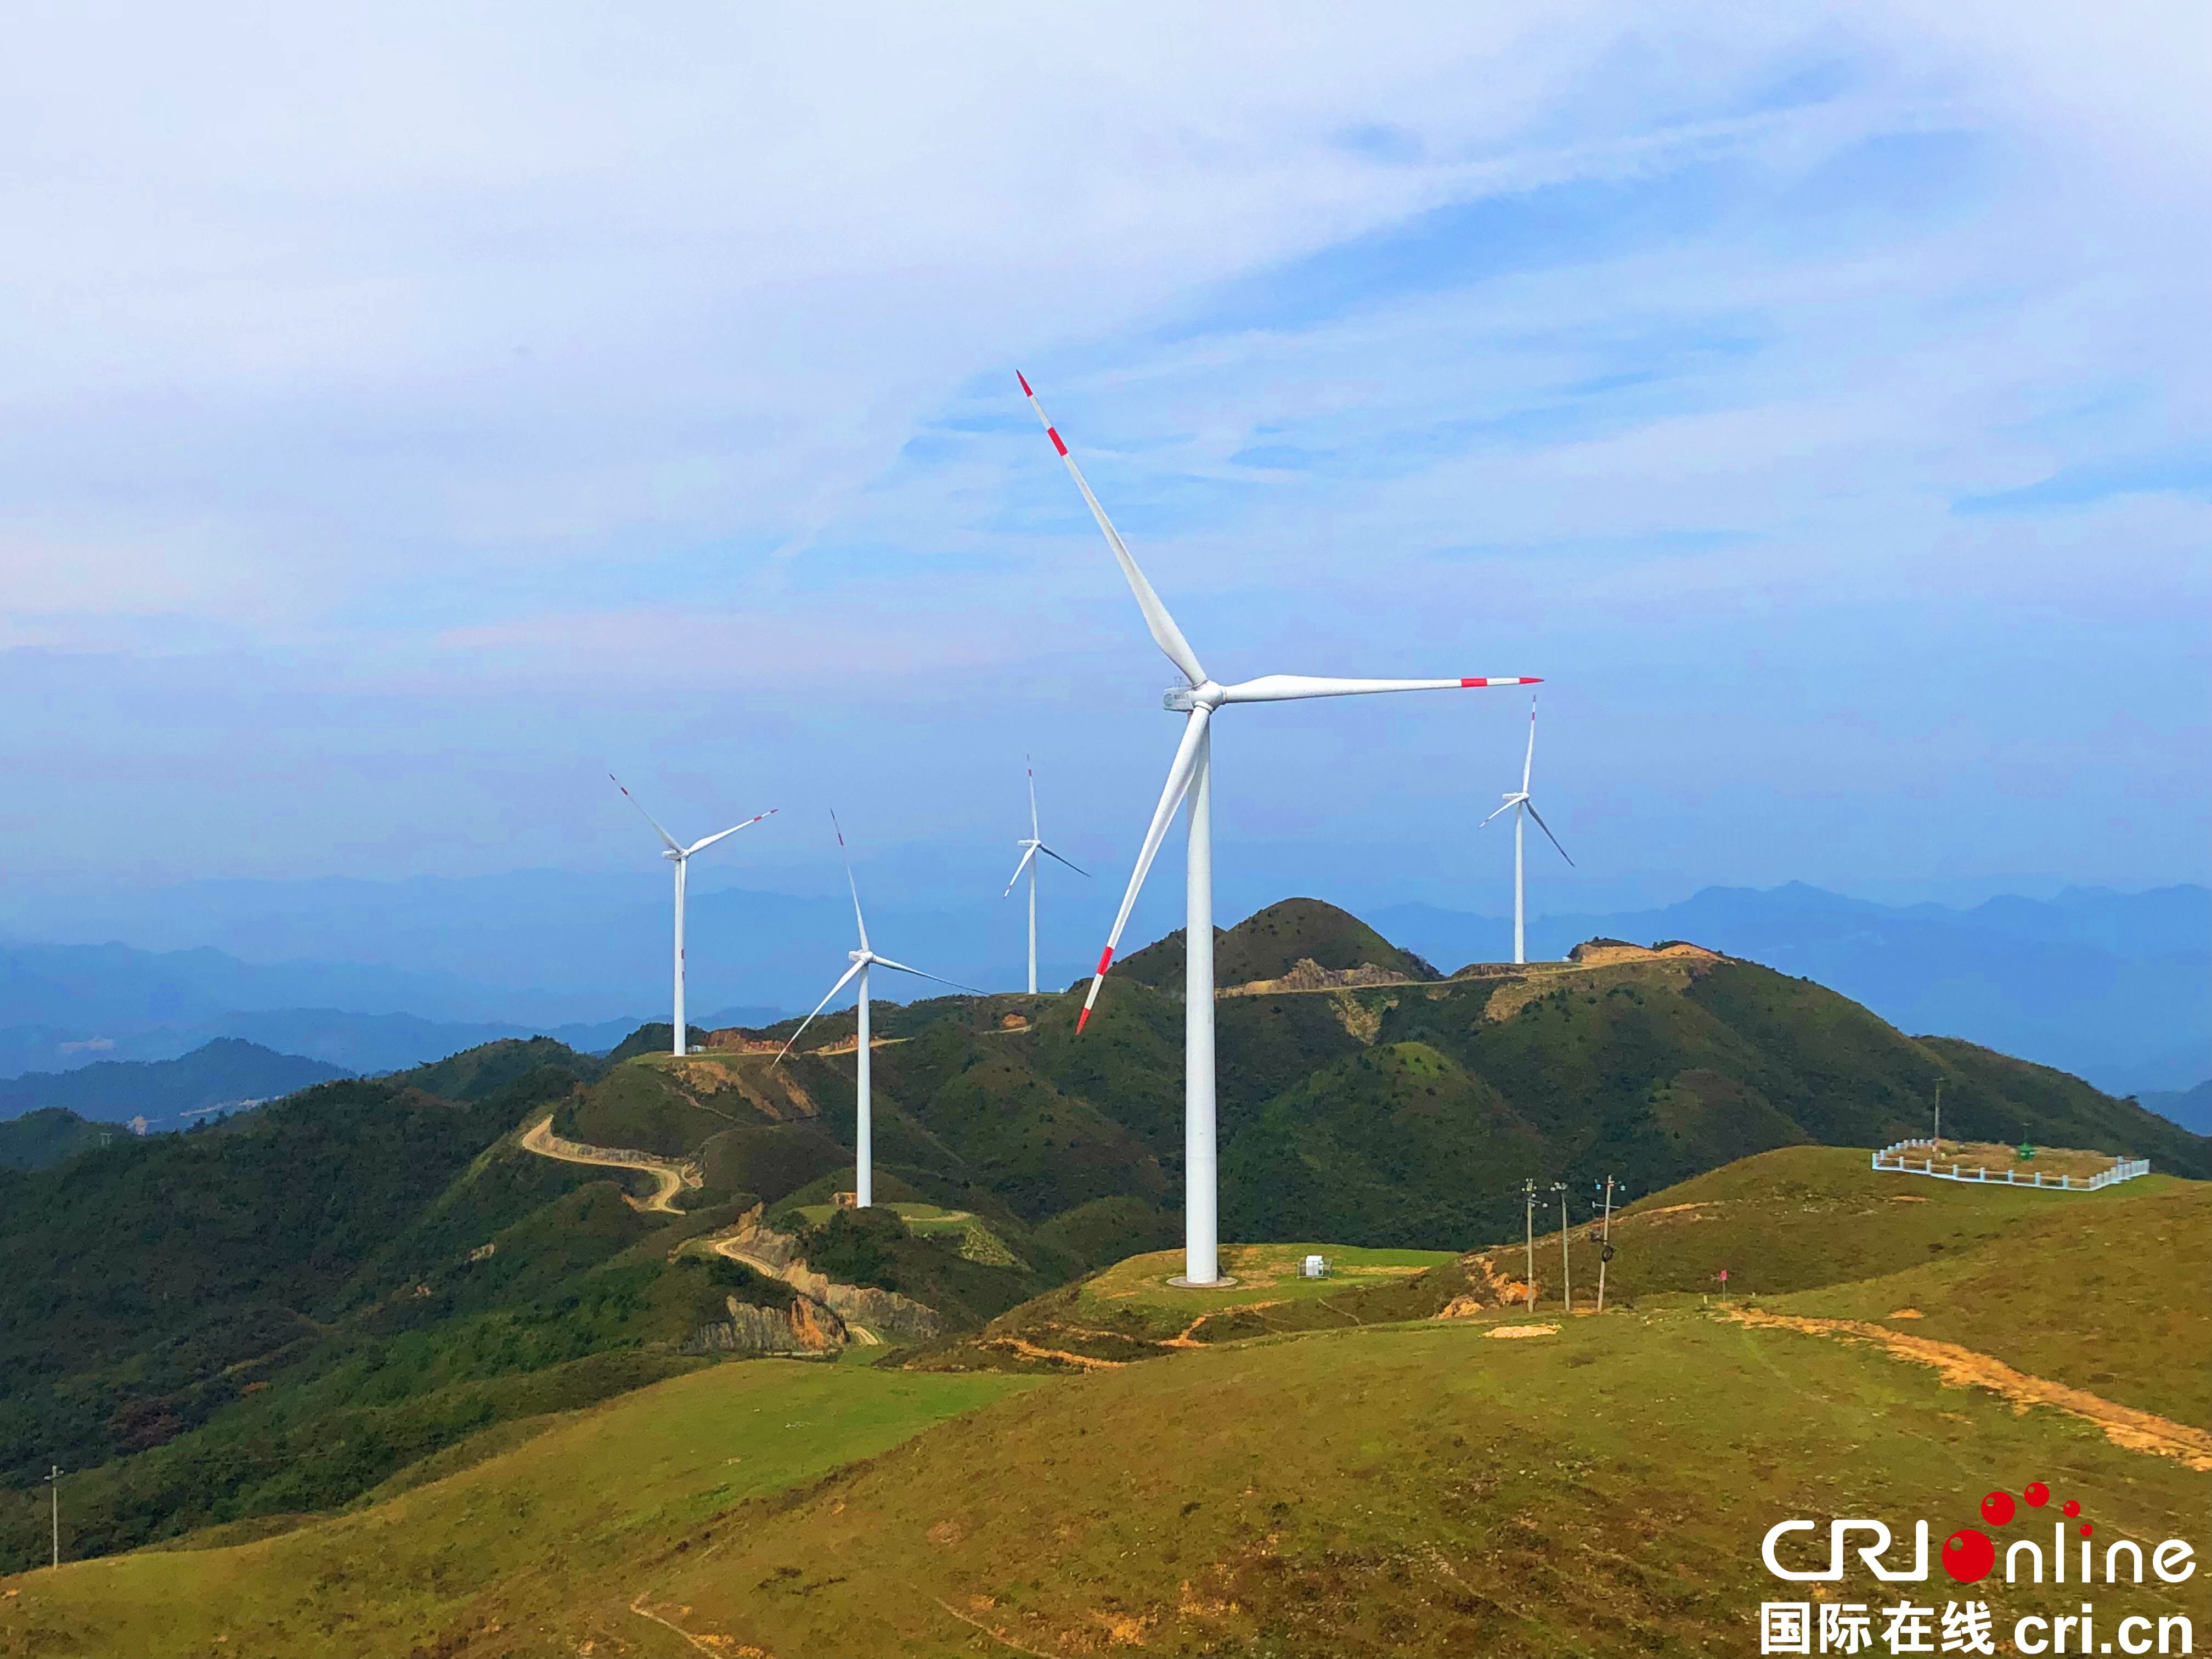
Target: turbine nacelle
1181	699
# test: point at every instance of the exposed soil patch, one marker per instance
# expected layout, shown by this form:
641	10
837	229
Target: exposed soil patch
1028	1350
2124	1425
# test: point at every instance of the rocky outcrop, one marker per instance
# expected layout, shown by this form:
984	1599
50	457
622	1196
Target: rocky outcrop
1604	952
735	1040
777	1254
805	1330
1307	974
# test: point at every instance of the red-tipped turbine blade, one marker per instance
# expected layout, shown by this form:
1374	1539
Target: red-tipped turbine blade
1180	773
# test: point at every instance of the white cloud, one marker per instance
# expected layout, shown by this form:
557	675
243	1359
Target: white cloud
563	358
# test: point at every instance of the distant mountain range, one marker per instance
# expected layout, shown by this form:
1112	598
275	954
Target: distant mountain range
225	1072
2190	1107
64	1007
2116	987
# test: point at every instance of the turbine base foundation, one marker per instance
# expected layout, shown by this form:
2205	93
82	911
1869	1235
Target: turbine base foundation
1181	1283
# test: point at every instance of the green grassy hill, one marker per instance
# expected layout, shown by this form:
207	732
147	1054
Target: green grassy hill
1270	942
229	1297
1393	1484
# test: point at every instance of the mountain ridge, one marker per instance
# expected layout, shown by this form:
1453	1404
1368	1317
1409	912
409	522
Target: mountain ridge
389	1252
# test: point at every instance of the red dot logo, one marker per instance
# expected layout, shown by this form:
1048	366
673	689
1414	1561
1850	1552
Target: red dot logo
2069	1509
2086	1529
1968	1555
2036	1494
1996	1508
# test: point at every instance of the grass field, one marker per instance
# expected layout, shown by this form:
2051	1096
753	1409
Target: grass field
1138	1290
923	1221
1351	1487
1997	1157
2082	1292
578	1497
1798	1218
1410	1490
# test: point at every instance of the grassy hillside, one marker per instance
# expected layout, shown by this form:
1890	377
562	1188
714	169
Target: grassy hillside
582	1494
2001	1267
1404	1490
224	1290
476	1073
1269	943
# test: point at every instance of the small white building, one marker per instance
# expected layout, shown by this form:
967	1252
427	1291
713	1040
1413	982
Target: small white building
1314	1267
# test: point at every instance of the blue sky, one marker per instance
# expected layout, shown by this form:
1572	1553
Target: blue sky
409	418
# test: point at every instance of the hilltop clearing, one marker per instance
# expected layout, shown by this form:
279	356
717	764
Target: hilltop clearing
2053	1283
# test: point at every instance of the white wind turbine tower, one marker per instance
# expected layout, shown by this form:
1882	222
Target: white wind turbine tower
1190	780
862	960
1521	806
1030	848
680	856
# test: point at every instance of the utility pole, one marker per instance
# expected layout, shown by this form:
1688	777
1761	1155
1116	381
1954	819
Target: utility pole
1604	1243
1566	1272
54	1484
1939	1115
1528	1220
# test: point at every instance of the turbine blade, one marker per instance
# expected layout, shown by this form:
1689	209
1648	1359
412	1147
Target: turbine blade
1281	688
1165	634
1034	831
1049	854
1506	808
698	846
818	1008
1546	829
858	918
649	819
1178	776
1528	764
885	962
1022	866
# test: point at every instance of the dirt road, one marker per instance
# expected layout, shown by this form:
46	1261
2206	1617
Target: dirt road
670	1178
2124	1425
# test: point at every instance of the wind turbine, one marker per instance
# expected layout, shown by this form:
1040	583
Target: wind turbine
862	960
1190	780
1030	848
1521	806
680	856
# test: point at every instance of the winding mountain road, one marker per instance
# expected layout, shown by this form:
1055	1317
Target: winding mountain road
671	1177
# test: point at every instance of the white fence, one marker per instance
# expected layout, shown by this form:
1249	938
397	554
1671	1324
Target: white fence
1892	1158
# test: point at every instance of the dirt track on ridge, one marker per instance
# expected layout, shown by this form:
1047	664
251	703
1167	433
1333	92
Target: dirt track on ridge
2124	1425
670	1176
